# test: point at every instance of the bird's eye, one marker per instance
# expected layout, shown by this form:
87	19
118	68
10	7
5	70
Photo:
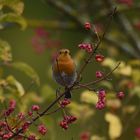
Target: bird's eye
66	52
60	52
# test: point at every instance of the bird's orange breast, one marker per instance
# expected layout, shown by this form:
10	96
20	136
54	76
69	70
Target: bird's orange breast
67	67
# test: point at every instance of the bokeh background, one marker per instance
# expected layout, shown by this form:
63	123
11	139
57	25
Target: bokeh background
39	28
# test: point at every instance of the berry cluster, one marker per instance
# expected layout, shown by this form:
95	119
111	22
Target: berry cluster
65	102
11	108
86	46
7	136
66	121
34	108
4	132
21	122
101	99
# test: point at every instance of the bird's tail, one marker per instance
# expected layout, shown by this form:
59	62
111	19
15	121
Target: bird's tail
68	94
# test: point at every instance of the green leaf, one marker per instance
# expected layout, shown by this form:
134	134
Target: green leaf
12	17
16	5
12	81
5	51
28	70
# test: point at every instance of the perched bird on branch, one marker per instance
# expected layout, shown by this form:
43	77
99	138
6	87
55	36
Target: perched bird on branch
64	70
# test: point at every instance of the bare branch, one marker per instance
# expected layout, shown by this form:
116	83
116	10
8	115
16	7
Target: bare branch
101	79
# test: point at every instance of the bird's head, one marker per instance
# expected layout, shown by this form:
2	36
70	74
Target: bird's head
64	54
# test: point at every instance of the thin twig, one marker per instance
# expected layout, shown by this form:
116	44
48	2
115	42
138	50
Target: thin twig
84	86
97	45
41	114
49	113
101	79
79	23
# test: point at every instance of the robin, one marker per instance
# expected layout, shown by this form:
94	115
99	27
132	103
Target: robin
64	70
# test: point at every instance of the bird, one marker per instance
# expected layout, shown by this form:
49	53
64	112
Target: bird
64	70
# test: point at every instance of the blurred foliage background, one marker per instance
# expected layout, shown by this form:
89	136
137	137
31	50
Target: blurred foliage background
32	31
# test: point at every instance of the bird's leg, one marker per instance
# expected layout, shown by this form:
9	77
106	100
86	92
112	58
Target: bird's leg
67	93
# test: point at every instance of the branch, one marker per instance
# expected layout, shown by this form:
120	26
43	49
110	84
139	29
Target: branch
78	19
40	115
49	113
20	130
101	79
98	43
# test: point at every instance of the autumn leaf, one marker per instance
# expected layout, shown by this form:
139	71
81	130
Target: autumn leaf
115	126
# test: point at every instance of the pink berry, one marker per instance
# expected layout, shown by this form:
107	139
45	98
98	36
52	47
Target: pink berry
99	58
30	113
99	74
64	124
87	26
100	105
35	108
12	103
73	119
101	93
31	137
120	95
7	136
